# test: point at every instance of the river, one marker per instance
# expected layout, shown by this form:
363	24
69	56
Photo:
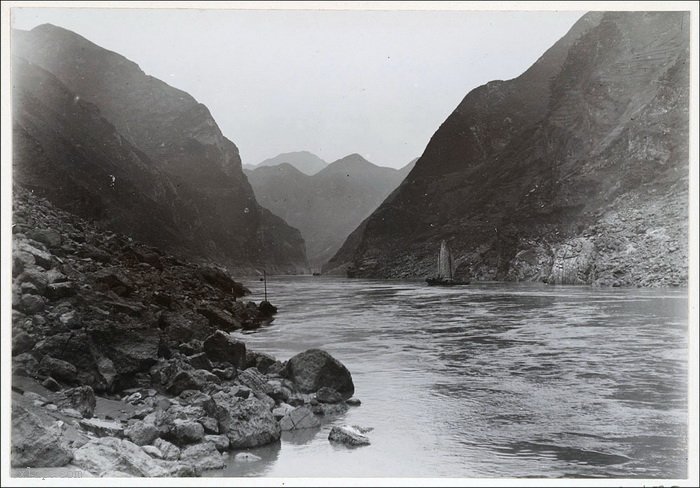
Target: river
487	380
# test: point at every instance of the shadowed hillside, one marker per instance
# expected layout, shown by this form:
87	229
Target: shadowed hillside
574	172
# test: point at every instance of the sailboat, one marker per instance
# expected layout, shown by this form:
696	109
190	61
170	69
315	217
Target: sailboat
444	270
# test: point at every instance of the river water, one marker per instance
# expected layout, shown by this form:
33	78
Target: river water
488	380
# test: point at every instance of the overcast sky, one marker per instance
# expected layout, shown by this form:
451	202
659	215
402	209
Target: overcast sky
330	82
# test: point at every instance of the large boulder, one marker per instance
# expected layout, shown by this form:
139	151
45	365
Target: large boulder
41	257
81	398
198	399
130	350
219	318
152	451
282	410
112	454
221	347
21	260
49	237
220	441
35	276
267	309
141	433
263	362
181	327
200	361
169	451
247	423
25	364
315	368
32	304
220	279
194	379
58	369
186	432
103	428
349	435
203	456
255	380
246	457
36	443
299	418
74	347
61	290
22	342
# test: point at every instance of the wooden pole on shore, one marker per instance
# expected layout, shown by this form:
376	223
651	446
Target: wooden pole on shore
265	282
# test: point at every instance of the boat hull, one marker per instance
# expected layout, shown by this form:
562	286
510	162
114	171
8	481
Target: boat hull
444	282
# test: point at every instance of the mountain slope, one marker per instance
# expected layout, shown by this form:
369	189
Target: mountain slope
85	166
213	202
574	172
328	205
306	162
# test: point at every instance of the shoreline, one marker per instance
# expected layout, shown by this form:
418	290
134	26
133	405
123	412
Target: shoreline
124	362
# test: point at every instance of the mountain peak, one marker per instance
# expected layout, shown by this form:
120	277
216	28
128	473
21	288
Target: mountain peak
284	169
48	26
176	154
351	161
354	157
531	178
304	161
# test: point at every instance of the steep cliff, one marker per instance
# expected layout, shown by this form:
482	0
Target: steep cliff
574	172
64	150
212	201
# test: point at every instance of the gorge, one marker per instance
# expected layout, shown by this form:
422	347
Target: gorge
165	322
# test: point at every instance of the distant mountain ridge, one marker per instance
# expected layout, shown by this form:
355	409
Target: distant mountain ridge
328	205
574	172
305	161
186	165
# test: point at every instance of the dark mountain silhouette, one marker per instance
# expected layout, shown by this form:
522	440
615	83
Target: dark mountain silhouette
328	205
64	150
574	172
180	149
306	162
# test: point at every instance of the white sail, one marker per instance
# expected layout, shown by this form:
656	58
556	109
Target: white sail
444	262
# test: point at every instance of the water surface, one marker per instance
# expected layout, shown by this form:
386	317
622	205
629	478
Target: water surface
487	380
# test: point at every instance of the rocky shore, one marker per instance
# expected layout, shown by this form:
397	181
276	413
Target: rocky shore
123	363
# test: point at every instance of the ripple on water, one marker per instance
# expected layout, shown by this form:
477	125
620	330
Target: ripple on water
490	380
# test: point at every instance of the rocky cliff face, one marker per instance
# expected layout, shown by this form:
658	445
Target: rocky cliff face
63	149
328	205
574	172
177	138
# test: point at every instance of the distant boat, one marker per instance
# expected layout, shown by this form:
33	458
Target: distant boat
444	269
316	274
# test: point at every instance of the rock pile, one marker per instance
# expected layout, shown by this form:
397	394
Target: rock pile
100	318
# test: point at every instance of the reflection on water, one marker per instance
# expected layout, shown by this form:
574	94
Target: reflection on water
488	380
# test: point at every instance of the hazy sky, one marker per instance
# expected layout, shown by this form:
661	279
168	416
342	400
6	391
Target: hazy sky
376	83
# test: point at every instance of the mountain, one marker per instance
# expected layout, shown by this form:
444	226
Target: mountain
328	205
574	172
306	162
404	171
85	166
209	203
